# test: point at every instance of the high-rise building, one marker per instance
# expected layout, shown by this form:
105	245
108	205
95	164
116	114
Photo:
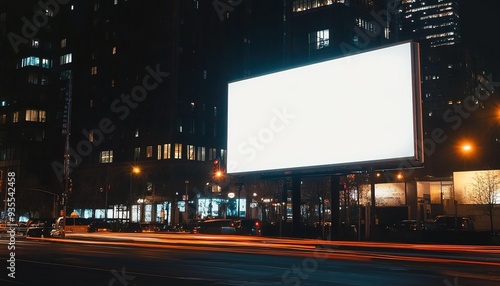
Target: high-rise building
449	78
31	101
147	84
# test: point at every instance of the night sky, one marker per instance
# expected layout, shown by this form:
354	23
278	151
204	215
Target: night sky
480	22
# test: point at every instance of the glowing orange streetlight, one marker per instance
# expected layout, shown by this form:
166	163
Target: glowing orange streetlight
135	170
466	150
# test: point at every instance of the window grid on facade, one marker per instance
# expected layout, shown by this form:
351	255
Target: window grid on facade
319	39
190	152
106	157
200	154
66	59
178	151
212	154
167	151
33	115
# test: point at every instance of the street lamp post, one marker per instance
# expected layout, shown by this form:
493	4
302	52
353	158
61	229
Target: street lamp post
186	202
466	149
135	170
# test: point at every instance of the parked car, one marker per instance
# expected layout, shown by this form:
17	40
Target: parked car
248	227
217	226
191	226
99	225
40	227
406	225
131	227
452	222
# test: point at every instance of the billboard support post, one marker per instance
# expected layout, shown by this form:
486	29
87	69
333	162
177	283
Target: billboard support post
296	205
373	218
334	205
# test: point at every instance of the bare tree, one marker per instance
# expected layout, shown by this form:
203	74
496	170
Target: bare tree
485	193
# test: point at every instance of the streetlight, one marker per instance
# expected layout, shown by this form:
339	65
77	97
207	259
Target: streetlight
466	149
186	202
135	170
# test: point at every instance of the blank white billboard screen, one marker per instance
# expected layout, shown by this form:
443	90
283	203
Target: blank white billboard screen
349	110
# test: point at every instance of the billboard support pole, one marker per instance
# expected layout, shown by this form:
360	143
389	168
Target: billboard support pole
373	218
335	207
295	206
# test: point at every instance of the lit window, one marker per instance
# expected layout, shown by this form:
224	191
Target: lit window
319	39
46	63
91	136
35	43
212	154
158	152
41	116
63	43
167	151
106	157
93	70
200	154
49	12
66	59
149	152
190	152
136	133
32	115
30	61
15	117
4	118
222	154
114	50
178	151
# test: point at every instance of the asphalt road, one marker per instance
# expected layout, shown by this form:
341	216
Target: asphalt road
142	259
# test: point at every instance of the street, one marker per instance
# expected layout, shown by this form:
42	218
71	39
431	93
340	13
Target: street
186	259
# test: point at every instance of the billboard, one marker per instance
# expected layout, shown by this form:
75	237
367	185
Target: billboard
351	113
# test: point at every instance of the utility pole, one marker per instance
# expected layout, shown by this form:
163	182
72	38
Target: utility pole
66	131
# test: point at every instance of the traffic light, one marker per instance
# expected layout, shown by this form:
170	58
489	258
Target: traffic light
216	168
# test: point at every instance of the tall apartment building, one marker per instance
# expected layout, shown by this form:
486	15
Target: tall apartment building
31	102
319	30
449	78
148	86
